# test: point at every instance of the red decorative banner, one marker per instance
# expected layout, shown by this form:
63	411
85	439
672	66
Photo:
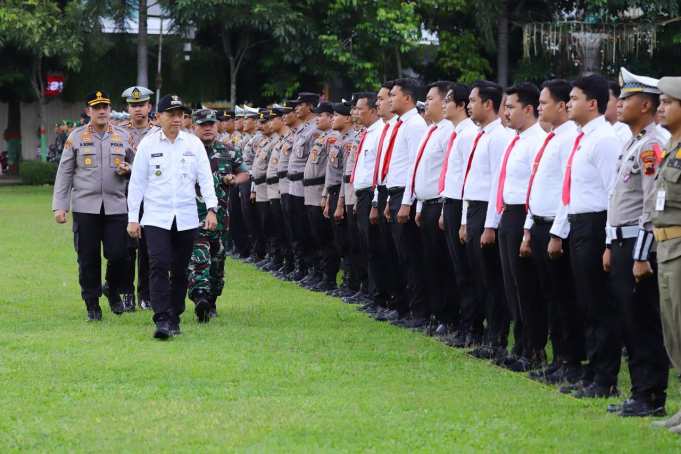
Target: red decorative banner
55	85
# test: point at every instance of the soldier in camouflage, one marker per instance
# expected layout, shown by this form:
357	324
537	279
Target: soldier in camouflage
206	266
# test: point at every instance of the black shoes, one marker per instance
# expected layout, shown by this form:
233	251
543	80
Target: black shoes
128	302
637	408
163	331
594	391
145	305
202	310
94	314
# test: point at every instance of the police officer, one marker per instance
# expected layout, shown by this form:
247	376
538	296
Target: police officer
237	225
261	159
326	261
168	165
252	135
630	258
91	181
207	263
666	220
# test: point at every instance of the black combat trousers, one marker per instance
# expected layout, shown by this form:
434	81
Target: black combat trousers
279	243
248	214
487	274
407	242
326	256
565	321
287	227
169	254
302	241
338	231
470	319
439	273
262	233
602	333
639	308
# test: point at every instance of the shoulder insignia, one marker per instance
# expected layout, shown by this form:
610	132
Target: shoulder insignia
649	161
331	140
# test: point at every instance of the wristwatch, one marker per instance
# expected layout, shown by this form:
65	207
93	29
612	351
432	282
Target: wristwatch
374	204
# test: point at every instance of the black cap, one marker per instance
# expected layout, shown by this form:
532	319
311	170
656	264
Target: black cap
324	107
97	97
171	102
264	115
342	108
308	97
291	103
281	111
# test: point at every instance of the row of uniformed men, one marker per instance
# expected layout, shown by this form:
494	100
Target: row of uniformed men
532	206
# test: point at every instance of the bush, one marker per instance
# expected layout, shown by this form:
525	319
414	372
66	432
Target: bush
37	172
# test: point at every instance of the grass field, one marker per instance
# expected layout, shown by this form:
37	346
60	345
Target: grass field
281	370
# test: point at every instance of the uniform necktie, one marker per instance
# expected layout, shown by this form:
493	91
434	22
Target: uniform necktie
420	154
445	164
389	151
502	174
379	153
357	152
567	180
535	166
470	161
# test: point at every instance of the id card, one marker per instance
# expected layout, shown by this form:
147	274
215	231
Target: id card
659	201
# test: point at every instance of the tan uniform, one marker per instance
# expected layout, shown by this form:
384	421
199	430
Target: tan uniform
315	167
137	134
86	179
284	156
666	220
261	159
273	168
349	157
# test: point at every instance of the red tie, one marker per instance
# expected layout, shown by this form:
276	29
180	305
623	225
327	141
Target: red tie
420	154
357	152
445	163
567	180
470	160
389	151
502	174
379	152
535	166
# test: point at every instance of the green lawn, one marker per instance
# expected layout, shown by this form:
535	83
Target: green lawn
282	369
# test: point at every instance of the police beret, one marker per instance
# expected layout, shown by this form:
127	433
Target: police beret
324	107
137	93
342	108
670	86
171	102
97	97
202	116
308	97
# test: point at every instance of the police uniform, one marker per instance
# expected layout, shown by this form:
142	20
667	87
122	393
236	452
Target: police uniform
207	263
261	158
237	226
300	151
249	216
88	185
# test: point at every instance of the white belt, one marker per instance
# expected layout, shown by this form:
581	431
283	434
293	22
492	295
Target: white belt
622	233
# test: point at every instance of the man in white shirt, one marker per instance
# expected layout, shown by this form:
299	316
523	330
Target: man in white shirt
589	174
622	130
459	144
543	201
423	188
508	212
393	171
476	230
169	163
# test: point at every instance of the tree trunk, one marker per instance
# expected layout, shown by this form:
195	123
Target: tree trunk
502	44
235	58
39	90
142	65
13	134
398	61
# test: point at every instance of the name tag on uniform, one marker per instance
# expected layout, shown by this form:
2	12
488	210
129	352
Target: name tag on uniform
157	155
187	153
659	201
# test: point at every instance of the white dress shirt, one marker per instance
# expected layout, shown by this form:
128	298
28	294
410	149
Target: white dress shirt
622	131
404	149
466	131
485	165
366	157
594	170
427	174
547	187
164	175
518	169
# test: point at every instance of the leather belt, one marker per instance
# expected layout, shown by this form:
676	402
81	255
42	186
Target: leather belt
516	207
361	192
542	219
259	180
667	233
622	233
333	188
273	180
395	190
582	216
313	181
449	201
282	174
346	178
295	176
437	201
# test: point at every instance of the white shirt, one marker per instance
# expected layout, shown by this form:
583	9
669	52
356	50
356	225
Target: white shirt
366	157
594	170
404	150
485	164
164	175
666	135
427	177
458	158
518	168
547	187
622	131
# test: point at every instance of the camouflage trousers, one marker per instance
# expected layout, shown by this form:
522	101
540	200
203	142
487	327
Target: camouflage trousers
207	266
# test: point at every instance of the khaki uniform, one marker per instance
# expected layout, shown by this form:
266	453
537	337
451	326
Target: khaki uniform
666	219
86	179
349	157
248	150
137	134
261	154
314	175
284	157
302	144
273	168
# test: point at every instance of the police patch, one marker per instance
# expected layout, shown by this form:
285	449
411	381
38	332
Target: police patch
649	161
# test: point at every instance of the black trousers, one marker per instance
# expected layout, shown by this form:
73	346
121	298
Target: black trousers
521	286
287	225
302	241
237	226
248	213
602	324
565	322
376	250
341	242
137	250
169	254
439	273
91	234
327	258
279	242
639	308
261	230
470	319
487	275
407	243
358	263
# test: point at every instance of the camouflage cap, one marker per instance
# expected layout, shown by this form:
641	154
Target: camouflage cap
202	116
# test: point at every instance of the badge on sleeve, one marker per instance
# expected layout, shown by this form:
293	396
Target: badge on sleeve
649	162
117	161
87	161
